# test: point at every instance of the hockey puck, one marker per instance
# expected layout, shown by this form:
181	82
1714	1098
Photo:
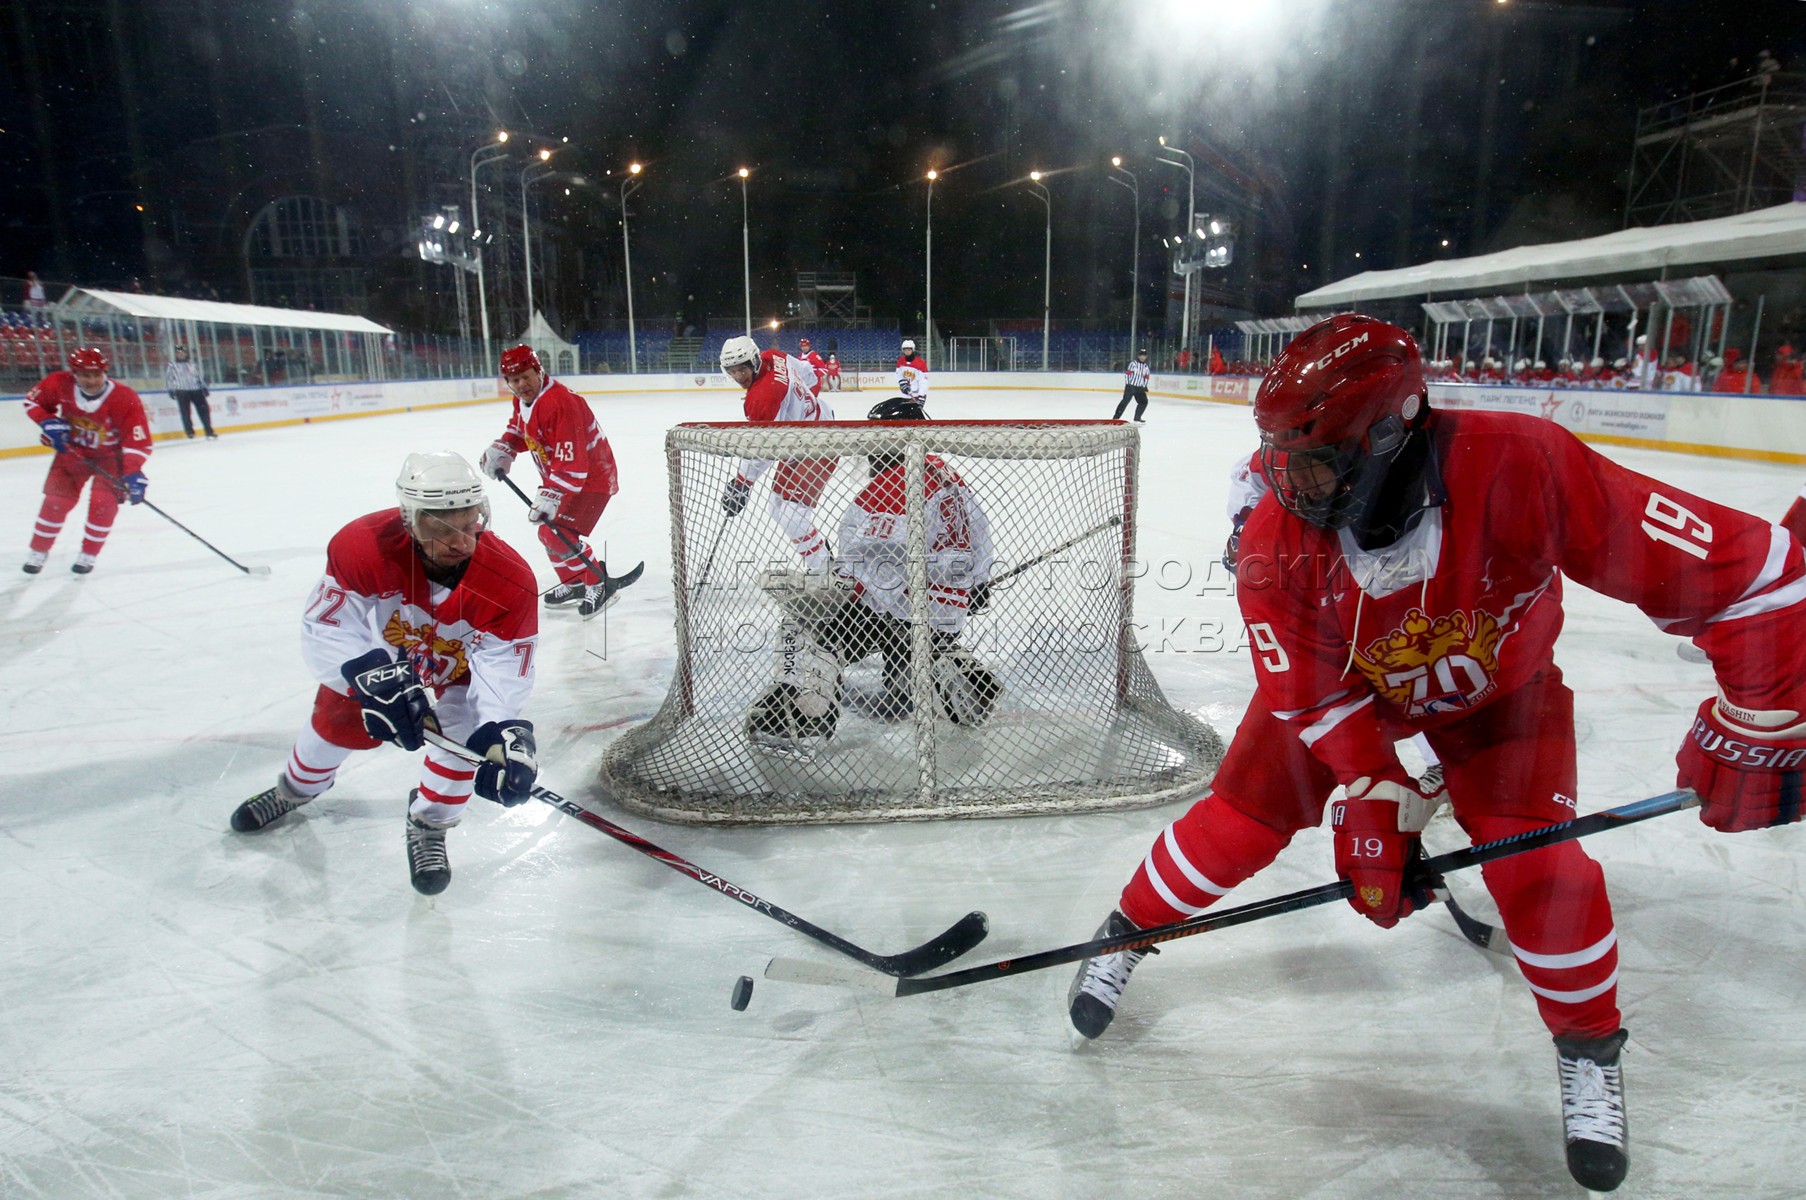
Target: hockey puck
742	993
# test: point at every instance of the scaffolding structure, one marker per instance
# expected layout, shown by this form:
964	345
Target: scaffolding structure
830	298
1719	152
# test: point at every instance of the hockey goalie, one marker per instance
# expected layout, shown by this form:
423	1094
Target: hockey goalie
860	607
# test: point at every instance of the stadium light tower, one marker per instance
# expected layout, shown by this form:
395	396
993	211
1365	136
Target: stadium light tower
526	232
746	248
928	299
1191	223
1041	193
1134	187
489	152
630	183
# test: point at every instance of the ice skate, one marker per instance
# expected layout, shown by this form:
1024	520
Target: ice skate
266	807
34	562
1592	1110
83	564
564	595
1099	985
429	867
596	597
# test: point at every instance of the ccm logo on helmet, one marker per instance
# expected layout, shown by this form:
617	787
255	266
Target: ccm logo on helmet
1339	351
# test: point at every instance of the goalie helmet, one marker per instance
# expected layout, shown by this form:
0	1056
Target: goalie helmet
517	359
87	358
739	351
898	408
438	481
1335	411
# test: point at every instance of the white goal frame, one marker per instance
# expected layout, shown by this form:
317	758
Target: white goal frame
1119	745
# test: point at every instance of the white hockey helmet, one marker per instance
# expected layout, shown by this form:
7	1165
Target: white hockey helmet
437	481
909	345
1596	363
739	351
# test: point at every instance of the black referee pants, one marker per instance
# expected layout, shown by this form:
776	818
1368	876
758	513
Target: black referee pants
1137	394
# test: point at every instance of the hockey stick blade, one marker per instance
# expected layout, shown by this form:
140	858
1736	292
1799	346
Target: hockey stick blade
1341	889
938	951
617	582
1488	937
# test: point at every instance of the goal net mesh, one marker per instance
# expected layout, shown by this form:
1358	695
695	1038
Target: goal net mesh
1079	722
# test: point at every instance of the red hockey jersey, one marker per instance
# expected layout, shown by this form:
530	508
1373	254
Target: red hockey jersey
1359	648
559	429
111	427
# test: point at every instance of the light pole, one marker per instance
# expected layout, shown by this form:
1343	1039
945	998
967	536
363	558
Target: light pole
630	183
526	232
1041	193
480	156
1134	186
928	299
1191	221
745	248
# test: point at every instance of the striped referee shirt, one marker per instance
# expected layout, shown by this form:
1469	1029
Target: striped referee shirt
1138	374
182	377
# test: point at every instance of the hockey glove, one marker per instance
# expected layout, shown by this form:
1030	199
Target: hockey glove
1746	777
1377	847
545	506
54	432
496	460
395	705
978	599
135	485
733	500
510	767
903	386
1233	550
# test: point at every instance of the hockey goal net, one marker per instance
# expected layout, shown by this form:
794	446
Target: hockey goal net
1072	719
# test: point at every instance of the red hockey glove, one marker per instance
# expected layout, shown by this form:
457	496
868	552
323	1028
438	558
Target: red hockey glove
1377	847
1746	777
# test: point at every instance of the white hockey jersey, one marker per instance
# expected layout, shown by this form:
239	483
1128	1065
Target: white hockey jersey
872	547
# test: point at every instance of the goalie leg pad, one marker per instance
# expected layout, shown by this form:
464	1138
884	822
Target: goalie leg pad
808	668
777	721
967	688
809	596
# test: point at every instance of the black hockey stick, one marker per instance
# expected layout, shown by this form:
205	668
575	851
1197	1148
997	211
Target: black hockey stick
964	933
120	483
709	563
1341	889
615	582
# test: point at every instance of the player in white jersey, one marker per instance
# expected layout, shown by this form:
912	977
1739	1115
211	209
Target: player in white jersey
418	598
912	372
863	607
780	387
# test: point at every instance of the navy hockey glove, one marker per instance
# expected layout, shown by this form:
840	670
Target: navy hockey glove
979	599
509	769
733	500
395	705
135	485
54	432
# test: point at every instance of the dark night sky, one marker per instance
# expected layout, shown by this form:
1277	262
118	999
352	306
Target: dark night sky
1352	125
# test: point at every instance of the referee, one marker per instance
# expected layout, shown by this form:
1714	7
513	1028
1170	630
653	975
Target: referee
182	380
1135	388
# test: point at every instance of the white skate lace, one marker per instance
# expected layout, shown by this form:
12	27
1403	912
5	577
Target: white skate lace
1109	975
1589	1101
426	849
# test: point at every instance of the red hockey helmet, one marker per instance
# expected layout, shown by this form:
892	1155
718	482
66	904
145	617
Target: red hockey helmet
1334	410
517	359
87	358
804	343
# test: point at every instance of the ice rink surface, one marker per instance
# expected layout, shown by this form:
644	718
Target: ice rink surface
194	1013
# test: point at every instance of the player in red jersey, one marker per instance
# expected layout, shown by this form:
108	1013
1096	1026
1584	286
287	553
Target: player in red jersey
863	607
831	373
94	424
815	360
1404	576
416	599
781	387
576	473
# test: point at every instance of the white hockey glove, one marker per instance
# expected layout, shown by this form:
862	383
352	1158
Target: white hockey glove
496	460
545	506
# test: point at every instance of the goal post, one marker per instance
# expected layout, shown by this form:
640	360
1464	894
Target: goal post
1074	719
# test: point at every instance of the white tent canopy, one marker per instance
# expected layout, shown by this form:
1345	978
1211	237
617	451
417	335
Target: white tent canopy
175	308
559	356
1764	233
